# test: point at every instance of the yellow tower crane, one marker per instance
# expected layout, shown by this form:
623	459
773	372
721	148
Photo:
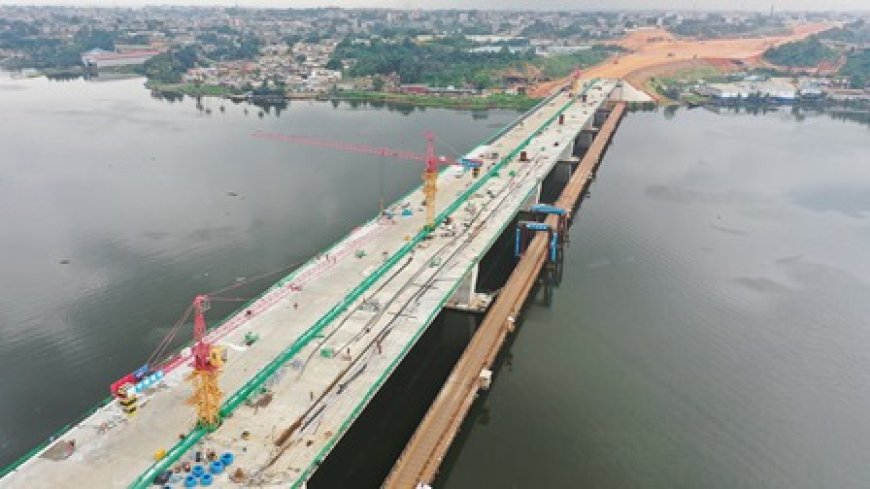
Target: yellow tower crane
430	180
207	362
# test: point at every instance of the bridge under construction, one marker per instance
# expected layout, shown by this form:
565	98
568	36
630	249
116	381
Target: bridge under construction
300	362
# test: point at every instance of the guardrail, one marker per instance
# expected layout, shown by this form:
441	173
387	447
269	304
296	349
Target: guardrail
35	451
258	380
60	432
195	435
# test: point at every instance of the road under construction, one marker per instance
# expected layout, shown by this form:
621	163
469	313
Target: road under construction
330	334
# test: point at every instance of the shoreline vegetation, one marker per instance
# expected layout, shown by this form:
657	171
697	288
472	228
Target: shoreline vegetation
492	101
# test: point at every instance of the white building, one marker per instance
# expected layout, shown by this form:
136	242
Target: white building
773	89
100	58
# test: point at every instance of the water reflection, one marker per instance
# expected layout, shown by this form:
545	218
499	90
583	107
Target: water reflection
849	200
139	202
710	330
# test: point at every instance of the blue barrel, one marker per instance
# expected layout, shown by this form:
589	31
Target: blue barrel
198	470
227	459
216	467
189	481
206	480
167	486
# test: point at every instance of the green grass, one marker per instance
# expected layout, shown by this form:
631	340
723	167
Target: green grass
693	75
563	64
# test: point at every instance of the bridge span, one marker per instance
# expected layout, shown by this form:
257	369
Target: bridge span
332	332
419	463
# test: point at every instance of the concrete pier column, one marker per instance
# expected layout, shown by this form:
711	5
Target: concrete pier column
563	170
465	292
534	197
465	298
584	140
601	115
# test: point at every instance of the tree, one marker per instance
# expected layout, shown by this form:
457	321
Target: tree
806	53
89	38
378	84
481	80
857	68
292	40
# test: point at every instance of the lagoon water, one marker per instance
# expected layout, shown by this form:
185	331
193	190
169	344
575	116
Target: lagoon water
712	328
116	208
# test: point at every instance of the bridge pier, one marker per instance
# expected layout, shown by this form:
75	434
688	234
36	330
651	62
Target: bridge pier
466	298
601	115
584	140
538	245
564	169
534	197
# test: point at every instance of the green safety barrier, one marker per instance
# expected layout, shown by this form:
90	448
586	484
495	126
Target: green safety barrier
321	456
52	438
178	450
256	382
280	283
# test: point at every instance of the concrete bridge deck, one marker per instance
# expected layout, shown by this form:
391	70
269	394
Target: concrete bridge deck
330	334
422	457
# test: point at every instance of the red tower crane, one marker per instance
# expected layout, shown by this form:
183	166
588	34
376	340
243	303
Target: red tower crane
431	160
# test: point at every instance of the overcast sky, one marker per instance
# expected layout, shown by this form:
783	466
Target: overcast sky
487	4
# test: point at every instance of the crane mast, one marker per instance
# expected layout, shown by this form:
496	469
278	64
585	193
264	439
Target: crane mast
430	181
207	361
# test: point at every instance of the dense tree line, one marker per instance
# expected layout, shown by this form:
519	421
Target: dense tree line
716	25
857	68
170	66
444	62
450	61
43	52
857	32
577	29
806	53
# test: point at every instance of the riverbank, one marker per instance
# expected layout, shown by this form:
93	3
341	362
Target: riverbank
494	101
191	89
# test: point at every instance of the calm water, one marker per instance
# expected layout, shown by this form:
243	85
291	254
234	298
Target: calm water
712	330
152	202
713	326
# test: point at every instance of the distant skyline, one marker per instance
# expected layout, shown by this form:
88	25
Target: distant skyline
756	5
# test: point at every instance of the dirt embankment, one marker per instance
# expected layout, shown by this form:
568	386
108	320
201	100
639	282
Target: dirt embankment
656	52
